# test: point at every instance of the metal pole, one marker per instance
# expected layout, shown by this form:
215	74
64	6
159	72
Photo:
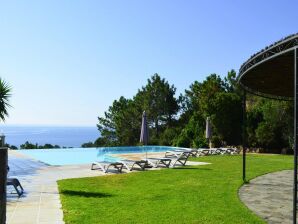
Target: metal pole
295	138
244	138
3	176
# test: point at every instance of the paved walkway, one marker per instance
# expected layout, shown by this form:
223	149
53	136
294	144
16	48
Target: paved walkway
41	202
270	196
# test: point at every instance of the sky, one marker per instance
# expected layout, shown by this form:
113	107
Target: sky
67	60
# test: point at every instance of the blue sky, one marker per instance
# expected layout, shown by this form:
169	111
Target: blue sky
68	60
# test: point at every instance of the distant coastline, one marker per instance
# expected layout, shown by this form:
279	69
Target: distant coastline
67	136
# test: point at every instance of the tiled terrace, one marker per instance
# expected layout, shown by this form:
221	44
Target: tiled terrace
40	202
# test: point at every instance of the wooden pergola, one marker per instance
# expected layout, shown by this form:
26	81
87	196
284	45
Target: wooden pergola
272	73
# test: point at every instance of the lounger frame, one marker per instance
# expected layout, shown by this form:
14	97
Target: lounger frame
104	166
16	184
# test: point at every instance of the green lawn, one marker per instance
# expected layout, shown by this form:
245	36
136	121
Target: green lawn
193	194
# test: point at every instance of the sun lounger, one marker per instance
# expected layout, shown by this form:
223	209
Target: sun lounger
104	166
179	158
16	184
193	152
232	151
129	164
211	151
155	162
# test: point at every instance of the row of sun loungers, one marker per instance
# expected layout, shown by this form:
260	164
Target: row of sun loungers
127	164
220	151
169	160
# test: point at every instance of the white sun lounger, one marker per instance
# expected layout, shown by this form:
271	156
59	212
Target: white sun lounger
179	158
231	150
129	164
176	152
155	162
104	166
211	151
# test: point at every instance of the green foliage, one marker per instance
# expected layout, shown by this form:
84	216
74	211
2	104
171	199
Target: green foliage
11	146
216	141
87	145
275	130
194	194
29	145
167	136
193	133
5	94
157	98
217	98
48	146
121	123
227	117
181	121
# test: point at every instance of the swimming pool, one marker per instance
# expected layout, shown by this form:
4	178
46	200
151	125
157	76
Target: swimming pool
72	156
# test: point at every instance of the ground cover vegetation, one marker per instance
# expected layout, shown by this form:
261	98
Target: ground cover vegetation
191	194
29	145
180	120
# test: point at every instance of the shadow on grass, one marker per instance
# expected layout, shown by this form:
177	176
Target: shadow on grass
191	168
85	194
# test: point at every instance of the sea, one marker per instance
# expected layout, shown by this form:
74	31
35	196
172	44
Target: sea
55	135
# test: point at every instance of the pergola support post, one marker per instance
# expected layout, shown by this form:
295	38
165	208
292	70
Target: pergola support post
244	137
3	176
295	137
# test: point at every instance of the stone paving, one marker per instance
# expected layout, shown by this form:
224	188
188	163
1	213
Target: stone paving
270	196
41	202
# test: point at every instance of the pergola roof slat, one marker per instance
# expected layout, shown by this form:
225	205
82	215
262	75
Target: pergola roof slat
269	73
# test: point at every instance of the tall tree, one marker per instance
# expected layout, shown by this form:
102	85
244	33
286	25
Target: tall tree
216	98
121	123
159	101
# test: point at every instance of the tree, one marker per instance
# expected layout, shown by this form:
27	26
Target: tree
275	130
158	99
5	94
227	117
87	145
121	124
10	146
28	145
217	98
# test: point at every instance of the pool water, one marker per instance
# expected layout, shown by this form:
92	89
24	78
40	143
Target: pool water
72	156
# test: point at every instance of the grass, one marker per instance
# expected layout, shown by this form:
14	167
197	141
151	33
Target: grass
193	194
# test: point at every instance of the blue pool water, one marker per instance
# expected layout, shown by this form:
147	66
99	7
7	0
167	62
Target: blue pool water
87	155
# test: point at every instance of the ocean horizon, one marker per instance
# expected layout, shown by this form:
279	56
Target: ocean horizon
64	136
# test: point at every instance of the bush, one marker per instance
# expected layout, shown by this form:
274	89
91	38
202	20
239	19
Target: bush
87	145
168	136
200	142
216	141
